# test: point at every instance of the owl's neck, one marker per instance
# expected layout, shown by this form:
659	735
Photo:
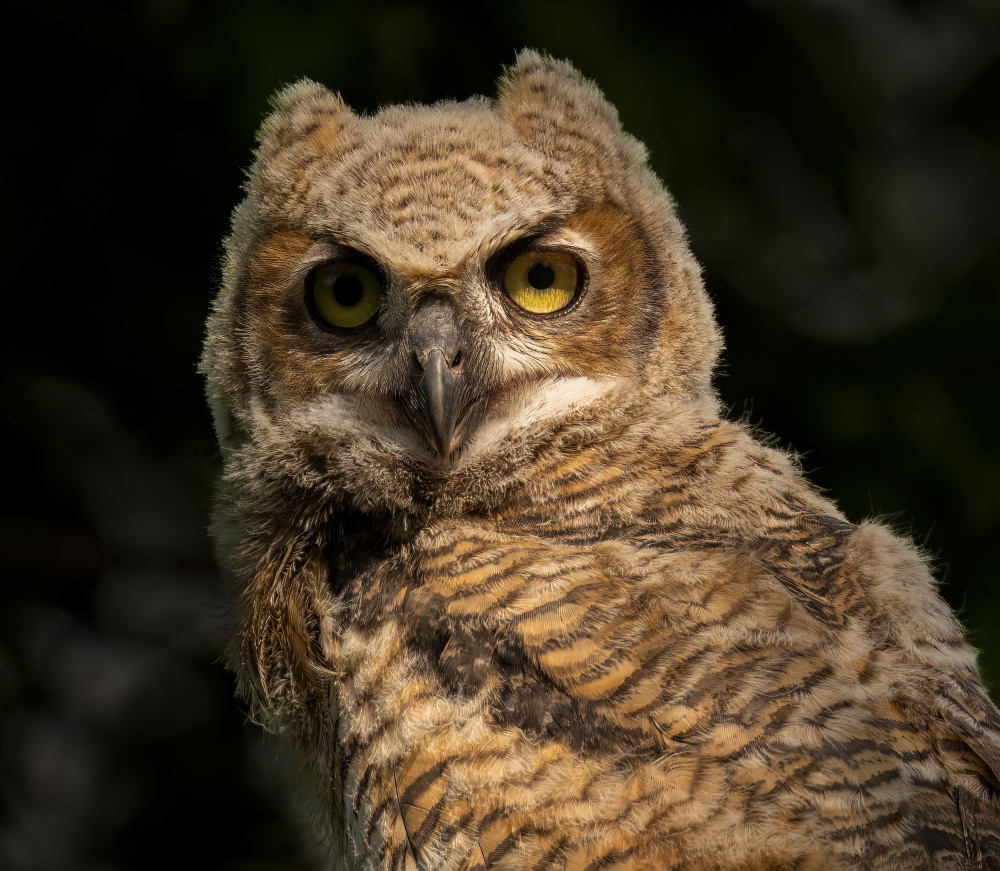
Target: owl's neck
677	469
673	465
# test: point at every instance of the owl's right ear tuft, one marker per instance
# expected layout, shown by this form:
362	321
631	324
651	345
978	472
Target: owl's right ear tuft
305	114
548	101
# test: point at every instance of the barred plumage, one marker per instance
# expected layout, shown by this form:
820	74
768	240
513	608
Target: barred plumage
580	621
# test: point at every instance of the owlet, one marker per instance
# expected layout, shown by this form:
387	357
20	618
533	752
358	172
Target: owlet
520	595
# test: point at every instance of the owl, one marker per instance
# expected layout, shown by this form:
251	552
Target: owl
518	592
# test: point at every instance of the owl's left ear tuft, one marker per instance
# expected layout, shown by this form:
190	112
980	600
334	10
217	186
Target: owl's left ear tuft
549	103
305	114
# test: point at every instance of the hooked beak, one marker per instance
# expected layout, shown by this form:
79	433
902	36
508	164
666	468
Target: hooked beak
440	395
445	398
437	398
436	404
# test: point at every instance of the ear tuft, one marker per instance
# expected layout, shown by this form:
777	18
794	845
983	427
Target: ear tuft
548	101
303	112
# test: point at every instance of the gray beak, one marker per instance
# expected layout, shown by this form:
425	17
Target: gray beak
441	392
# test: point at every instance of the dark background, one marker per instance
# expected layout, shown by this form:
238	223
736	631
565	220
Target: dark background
837	163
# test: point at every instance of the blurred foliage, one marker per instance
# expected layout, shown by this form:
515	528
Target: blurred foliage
837	163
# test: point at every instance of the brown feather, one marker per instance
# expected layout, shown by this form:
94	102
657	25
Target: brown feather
613	630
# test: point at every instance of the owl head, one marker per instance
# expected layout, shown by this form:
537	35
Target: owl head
416	302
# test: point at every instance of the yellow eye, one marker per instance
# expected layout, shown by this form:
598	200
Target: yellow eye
345	294
541	282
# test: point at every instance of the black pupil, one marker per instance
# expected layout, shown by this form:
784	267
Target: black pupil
541	276
347	290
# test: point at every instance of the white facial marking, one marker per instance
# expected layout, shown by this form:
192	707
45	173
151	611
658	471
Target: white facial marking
537	401
354	419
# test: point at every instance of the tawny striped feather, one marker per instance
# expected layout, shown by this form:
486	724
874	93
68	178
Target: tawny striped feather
613	631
